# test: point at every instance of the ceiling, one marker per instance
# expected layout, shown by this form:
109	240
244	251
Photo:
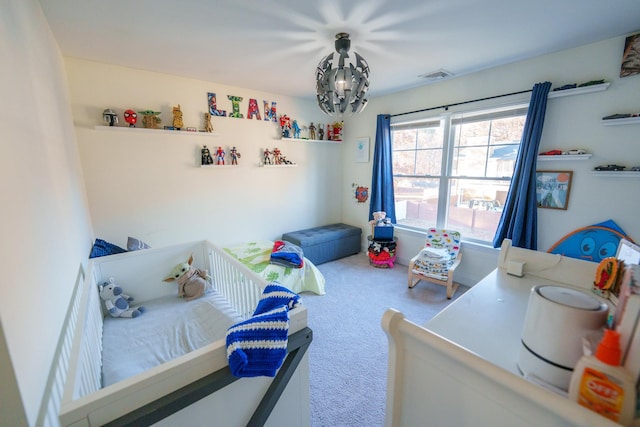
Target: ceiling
275	46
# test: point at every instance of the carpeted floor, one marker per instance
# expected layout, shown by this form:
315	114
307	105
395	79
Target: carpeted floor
348	355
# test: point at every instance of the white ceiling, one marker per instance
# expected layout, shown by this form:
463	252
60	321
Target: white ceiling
275	46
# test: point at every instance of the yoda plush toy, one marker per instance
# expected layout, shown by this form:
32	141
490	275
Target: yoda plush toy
116	302
192	282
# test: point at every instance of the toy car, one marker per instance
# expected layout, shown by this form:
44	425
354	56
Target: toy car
636	168
575	152
551	153
609	168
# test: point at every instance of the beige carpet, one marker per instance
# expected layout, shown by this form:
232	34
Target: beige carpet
348	355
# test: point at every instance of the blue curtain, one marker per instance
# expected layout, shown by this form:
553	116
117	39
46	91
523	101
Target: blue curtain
382	197
519	220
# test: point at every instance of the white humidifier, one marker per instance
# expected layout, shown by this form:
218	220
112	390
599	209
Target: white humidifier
557	319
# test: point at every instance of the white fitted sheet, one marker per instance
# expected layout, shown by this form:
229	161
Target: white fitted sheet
170	327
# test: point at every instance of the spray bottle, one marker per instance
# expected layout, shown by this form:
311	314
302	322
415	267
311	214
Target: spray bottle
600	384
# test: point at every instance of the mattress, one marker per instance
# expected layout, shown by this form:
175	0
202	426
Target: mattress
170	327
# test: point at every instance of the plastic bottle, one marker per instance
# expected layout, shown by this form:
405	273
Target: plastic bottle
602	385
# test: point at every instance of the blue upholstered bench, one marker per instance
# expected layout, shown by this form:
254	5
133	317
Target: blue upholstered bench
327	243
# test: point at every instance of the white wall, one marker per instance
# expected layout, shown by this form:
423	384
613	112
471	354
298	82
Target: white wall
151	186
45	226
571	122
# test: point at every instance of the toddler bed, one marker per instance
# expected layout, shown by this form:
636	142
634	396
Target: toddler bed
172	359
256	256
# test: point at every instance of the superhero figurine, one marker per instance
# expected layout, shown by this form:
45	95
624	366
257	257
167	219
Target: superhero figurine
220	156
206	156
234	156
109	116
131	117
276	156
267	158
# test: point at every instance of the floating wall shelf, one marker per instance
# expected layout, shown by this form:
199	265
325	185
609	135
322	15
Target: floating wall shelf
311	140
156	131
618	174
278	166
567	157
625	121
578	91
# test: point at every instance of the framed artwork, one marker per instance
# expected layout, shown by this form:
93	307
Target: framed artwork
362	150
631	56
553	188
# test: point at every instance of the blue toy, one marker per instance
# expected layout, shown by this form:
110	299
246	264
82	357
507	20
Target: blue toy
592	243
116	302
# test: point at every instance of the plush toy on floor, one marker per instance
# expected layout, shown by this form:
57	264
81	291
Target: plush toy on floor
116	302
192	282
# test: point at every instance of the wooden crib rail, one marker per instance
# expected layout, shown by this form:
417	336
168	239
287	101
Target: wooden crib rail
238	284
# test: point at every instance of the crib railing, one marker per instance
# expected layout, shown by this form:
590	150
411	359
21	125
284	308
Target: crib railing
238	284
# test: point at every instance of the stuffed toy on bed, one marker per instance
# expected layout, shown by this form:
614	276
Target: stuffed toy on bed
116	302
192	282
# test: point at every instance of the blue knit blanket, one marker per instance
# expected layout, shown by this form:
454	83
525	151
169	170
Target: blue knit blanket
258	346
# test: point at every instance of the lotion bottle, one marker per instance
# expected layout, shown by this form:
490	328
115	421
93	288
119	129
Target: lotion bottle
600	384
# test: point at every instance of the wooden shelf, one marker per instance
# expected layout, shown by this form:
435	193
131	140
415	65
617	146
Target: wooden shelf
566	157
156	131
578	91
618	174
625	121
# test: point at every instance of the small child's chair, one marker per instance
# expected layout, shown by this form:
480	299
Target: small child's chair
437	261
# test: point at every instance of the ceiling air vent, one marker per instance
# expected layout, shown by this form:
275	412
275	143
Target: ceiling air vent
436	75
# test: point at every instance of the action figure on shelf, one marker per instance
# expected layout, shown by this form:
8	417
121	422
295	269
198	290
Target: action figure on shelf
296	129
329	133
312	131
206	156
320	131
150	119
284	161
109	116
208	127
267	158
337	131
276	156
177	118
220	156
285	125
234	156
130	117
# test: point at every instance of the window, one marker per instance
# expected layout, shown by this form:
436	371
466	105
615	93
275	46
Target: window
454	170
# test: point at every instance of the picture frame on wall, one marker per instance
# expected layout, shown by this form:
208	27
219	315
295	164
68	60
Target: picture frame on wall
553	189
631	56
362	150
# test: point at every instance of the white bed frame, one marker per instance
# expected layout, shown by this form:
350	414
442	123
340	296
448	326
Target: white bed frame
460	369
76	397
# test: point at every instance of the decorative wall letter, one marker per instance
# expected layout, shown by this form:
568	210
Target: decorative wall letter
213	108
253	110
235	101
270	114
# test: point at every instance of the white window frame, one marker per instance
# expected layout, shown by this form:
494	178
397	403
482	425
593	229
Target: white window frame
486	112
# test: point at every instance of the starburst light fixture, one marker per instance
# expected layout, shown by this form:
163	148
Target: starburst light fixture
341	90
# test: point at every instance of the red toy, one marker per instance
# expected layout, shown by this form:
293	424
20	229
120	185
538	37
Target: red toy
131	117
220	156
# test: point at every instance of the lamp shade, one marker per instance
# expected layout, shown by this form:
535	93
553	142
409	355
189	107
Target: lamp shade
341	87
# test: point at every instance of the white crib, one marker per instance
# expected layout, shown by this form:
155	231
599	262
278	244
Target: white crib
193	389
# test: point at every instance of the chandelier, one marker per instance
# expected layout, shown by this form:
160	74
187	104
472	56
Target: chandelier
341	90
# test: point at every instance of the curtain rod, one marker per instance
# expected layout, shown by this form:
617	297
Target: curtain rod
446	107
